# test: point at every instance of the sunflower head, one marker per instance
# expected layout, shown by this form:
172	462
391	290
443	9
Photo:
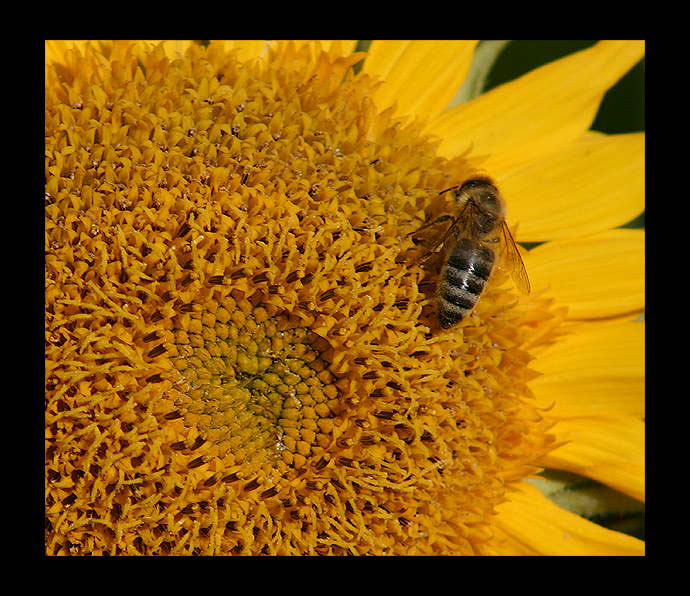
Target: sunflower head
239	357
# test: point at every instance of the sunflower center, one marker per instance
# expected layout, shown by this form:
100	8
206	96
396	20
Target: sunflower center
256	387
237	359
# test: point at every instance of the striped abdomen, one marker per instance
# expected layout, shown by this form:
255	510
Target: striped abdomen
463	278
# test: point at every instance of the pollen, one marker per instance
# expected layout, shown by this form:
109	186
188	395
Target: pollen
238	358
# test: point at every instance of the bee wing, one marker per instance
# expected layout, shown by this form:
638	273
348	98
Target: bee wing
514	262
428	238
432	234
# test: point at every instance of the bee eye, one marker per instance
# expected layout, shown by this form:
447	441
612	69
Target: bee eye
483	183
471	184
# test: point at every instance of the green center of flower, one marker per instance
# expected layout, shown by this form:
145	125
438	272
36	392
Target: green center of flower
255	386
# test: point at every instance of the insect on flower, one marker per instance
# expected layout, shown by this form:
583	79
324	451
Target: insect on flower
467	247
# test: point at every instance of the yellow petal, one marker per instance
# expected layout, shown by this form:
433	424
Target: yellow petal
608	449
592	185
598	276
536	114
528	523
421	76
599	370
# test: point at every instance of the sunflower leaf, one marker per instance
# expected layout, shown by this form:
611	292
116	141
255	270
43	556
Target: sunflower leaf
584	496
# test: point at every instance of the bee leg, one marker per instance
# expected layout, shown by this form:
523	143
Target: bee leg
428	224
431	259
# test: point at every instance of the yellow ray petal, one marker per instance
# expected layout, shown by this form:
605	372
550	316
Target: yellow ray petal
534	115
598	276
528	523
599	370
608	449
421	76
592	185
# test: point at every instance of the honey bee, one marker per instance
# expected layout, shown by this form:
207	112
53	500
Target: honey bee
468	248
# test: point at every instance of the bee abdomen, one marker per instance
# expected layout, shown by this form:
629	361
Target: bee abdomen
463	279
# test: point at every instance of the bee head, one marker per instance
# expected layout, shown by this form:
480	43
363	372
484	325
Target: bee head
481	195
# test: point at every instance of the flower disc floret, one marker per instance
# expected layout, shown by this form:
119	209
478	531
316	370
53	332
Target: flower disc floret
239	359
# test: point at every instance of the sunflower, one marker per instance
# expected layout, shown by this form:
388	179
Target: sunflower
242	358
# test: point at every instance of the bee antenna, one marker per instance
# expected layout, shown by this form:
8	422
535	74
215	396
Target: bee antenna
448	189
